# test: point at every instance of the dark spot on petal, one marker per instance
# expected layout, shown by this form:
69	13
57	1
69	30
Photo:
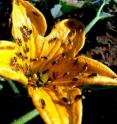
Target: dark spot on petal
26	32
66	100
52	40
35	13
54	75
54	62
17	2
42	103
44	57
78	97
71	33
92	75
63	55
73	24
74	79
20	55
18	41
45	71
54	87
26	49
13	61
34	59
66	74
85	67
71	42
75	61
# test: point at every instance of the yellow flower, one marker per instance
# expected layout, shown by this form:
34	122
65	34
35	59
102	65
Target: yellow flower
50	66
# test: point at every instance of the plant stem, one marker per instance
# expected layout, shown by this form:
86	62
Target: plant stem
27	117
13	86
100	15
91	24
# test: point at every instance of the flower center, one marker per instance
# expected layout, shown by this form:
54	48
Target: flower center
39	79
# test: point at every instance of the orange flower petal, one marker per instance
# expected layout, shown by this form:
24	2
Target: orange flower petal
25	14
28	23
66	38
45	106
54	109
80	71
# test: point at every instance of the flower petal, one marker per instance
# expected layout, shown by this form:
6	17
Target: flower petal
7	70
67	37
27	23
45	106
25	14
95	66
80	71
54	109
